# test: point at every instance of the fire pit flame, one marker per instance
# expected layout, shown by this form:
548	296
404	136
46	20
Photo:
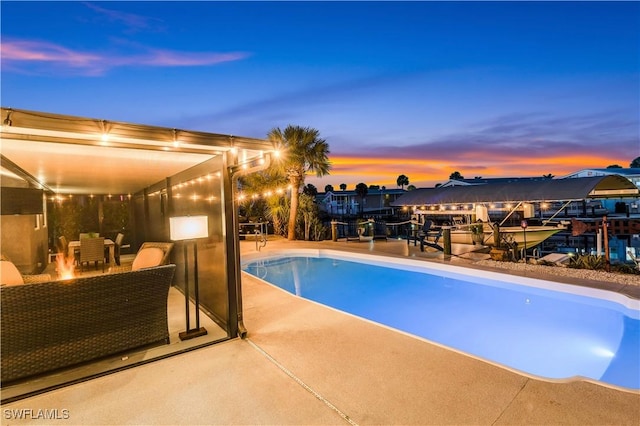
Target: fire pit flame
66	267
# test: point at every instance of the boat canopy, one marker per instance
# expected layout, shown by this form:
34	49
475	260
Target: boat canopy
611	186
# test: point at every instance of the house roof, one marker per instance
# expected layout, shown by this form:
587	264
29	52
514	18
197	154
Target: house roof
67	155
628	171
546	190
482	181
369	192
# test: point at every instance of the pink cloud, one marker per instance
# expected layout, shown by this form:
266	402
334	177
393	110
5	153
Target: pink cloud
170	58
26	51
18	55
132	21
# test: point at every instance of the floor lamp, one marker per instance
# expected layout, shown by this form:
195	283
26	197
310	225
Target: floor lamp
188	229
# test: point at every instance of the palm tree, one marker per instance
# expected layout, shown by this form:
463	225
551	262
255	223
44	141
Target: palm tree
309	211
328	188
263	182
548	176
277	212
362	190
310	190
303	151
343	187
402	181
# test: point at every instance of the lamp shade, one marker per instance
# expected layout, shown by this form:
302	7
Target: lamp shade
188	227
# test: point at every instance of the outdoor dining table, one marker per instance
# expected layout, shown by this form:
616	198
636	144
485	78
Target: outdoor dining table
75	245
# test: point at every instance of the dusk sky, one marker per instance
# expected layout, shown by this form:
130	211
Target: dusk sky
489	89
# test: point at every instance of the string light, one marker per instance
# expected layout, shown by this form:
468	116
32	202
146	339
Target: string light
280	191
69	197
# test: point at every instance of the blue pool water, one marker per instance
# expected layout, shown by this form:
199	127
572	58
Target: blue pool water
552	334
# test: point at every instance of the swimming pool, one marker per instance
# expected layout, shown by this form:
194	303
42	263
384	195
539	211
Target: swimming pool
541	328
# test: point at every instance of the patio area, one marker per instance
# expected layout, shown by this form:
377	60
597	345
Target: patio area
303	363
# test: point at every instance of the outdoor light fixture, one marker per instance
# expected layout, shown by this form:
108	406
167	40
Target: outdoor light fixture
188	229
176	142
7	121
105	136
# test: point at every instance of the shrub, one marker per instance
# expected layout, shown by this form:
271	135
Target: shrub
625	268
588	261
319	231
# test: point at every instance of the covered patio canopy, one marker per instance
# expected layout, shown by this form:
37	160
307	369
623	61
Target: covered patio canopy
75	155
77	171
611	186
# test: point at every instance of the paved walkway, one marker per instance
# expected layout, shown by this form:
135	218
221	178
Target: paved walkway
303	363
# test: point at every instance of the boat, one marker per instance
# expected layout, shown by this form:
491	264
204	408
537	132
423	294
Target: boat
464	204
533	235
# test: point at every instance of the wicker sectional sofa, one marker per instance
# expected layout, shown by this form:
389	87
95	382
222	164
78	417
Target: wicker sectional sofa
57	324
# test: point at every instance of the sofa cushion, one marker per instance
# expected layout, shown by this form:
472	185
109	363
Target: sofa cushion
9	274
147	258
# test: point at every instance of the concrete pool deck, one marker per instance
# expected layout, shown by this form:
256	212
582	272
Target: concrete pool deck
303	363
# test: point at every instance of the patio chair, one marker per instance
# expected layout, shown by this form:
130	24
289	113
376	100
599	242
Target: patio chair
63	244
118	248
63	247
380	231
353	232
92	250
428	231
10	275
150	254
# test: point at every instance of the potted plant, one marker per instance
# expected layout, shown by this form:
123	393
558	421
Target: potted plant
477	233
506	247
501	248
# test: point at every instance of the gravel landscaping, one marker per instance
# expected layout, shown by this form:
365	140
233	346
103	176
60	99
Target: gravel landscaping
629	279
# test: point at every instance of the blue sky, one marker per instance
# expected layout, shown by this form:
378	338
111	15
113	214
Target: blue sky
417	88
